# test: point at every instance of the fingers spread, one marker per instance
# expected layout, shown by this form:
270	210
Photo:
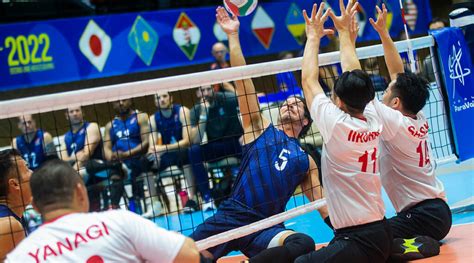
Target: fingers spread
306	18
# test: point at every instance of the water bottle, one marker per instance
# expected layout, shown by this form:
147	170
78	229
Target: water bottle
32	219
183	195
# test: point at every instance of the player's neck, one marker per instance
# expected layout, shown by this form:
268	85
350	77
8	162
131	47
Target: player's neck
51	216
166	112
127	114
29	136
289	130
75	127
14	205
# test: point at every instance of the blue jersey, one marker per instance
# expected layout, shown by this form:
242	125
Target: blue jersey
75	142
32	152
171	129
272	167
125	135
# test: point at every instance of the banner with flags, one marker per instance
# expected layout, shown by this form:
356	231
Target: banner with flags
34	54
458	76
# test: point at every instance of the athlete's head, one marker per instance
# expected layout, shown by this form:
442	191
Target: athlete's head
294	111
438	23
163	100
14	178
122	107
219	51
56	185
408	93
352	91
26	124
74	115
207	93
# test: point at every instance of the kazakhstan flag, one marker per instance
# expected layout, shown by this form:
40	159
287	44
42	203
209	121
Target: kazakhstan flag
143	39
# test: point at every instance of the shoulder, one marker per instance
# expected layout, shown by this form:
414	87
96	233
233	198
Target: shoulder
9	225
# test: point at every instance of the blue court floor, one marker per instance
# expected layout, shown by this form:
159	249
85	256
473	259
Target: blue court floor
458	181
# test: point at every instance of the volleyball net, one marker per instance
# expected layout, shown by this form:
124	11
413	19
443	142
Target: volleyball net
168	149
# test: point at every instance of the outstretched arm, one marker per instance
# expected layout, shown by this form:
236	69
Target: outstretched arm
392	57
252	119
310	69
344	25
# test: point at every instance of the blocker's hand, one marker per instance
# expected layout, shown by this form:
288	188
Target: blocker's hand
381	24
344	21
230	25
315	23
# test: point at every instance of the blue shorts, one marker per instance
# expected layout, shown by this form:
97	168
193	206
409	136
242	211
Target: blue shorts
232	214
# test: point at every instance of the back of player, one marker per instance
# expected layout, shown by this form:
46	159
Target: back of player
112	236
349	163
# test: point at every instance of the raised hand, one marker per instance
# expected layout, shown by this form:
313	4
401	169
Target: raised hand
381	24
354	29
230	25
315	23
343	22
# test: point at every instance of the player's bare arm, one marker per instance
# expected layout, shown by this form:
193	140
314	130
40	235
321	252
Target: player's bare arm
109	155
310	70
253	122
344	25
312	188
392	57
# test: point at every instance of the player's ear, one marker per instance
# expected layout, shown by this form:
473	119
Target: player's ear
14	183
82	198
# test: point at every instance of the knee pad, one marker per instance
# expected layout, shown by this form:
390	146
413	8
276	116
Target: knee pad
299	244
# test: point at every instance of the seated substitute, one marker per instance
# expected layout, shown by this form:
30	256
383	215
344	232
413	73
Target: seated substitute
350	128
125	141
35	145
169	145
70	234
82	148
216	116
407	172
15	195
273	166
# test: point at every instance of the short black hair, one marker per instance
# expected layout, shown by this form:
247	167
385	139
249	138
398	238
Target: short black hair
355	89
413	91
439	19
53	185
7	163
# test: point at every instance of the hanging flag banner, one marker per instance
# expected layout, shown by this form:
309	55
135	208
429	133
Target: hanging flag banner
187	35
41	53
263	27
458	76
295	23
361	19
411	13
143	39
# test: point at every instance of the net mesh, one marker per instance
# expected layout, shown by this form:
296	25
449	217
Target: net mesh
143	166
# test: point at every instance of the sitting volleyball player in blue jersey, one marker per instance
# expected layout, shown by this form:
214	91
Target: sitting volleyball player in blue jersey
273	166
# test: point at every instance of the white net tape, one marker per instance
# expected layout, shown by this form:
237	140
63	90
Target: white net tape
259	225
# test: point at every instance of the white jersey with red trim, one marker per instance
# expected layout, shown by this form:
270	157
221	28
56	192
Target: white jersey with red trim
406	164
349	163
112	236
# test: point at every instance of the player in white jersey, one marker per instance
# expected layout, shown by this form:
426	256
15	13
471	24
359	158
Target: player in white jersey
70	234
351	131
407	169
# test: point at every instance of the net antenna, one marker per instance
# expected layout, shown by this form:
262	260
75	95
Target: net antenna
411	55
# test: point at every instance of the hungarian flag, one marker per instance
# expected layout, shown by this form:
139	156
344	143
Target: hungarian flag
95	44
295	23
186	35
263	27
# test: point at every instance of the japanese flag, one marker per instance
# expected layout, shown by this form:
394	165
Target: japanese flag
95	44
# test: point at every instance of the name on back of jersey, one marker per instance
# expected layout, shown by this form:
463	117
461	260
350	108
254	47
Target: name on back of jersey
57	247
355	136
419	133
